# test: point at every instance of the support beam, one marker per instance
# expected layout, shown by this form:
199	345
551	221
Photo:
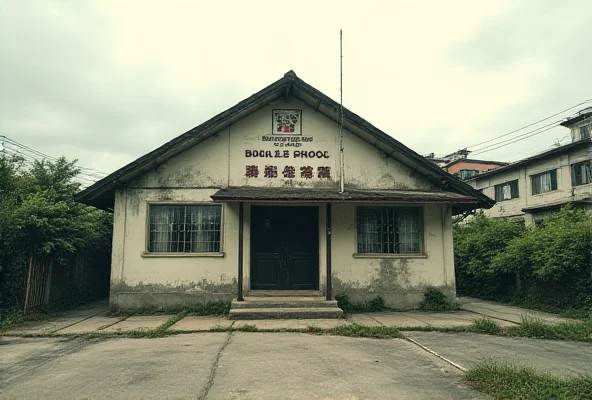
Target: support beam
239	296
328	288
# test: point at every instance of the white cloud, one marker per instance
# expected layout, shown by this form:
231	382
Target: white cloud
105	82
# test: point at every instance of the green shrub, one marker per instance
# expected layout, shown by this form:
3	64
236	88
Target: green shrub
348	307
545	267
376	304
486	325
436	300
476	243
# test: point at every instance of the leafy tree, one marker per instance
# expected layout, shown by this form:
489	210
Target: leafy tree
38	216
550	264
476	244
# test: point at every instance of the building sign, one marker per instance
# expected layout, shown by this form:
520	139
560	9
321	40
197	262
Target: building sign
287	122
286	154
288	172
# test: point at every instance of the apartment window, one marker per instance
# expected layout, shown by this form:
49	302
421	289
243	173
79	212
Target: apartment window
584	132
389	229
506	191
581	173
184	228
545	182
467	173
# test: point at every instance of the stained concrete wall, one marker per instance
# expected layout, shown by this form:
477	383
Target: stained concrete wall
400	279
221	160
140	278
565	191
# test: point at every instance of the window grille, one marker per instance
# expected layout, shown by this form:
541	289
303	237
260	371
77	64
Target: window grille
585	132
389	229
581	173
184	229
544	182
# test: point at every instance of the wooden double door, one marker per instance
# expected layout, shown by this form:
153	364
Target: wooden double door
284	247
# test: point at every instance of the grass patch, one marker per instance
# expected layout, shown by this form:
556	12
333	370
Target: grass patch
355	330
436	300
486	325
507	381
584	312
173	320
314	329
531	327
349	307
10	318
537	328
210	308
246	328
220	328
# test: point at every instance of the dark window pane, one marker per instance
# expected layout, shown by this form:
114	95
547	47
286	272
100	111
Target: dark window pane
184	229
389	229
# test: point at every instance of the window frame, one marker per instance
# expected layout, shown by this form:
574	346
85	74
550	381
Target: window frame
553	172
150	254
421	214
572	172
463	173
512	197
587	128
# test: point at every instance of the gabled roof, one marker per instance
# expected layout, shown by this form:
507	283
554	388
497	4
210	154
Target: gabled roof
101	194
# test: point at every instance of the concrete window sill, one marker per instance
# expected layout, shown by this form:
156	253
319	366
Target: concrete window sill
388	255
181	255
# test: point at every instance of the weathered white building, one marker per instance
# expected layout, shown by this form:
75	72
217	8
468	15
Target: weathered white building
257	199
536	186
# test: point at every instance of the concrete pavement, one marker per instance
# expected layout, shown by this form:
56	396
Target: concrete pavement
225	366
555	356
506	312
419	319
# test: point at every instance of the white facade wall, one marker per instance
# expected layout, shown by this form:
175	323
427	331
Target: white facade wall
139	278
565	191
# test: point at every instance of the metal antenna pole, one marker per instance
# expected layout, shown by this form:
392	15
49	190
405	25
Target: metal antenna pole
340	122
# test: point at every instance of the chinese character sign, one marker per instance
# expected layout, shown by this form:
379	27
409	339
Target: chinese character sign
287	122
252	171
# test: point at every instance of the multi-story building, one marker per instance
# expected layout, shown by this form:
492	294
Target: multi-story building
465	168
536	186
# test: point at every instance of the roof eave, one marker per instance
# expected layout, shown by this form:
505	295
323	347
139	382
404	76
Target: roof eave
104	189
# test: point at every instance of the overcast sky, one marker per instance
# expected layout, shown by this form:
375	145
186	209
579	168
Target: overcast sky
107	81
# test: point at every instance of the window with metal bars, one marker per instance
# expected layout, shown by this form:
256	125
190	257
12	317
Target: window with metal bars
384	230
185	228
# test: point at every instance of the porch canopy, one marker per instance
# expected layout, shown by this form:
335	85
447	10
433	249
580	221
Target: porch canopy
460	202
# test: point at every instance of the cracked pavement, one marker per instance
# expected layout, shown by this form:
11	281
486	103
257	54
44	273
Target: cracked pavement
238	365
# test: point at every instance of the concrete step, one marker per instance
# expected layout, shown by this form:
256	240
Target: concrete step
285	293
285	313
284	302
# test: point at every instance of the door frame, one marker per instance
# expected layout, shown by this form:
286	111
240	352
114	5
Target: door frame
251	258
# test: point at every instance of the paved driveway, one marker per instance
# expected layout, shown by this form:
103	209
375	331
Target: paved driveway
225	366
467	349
